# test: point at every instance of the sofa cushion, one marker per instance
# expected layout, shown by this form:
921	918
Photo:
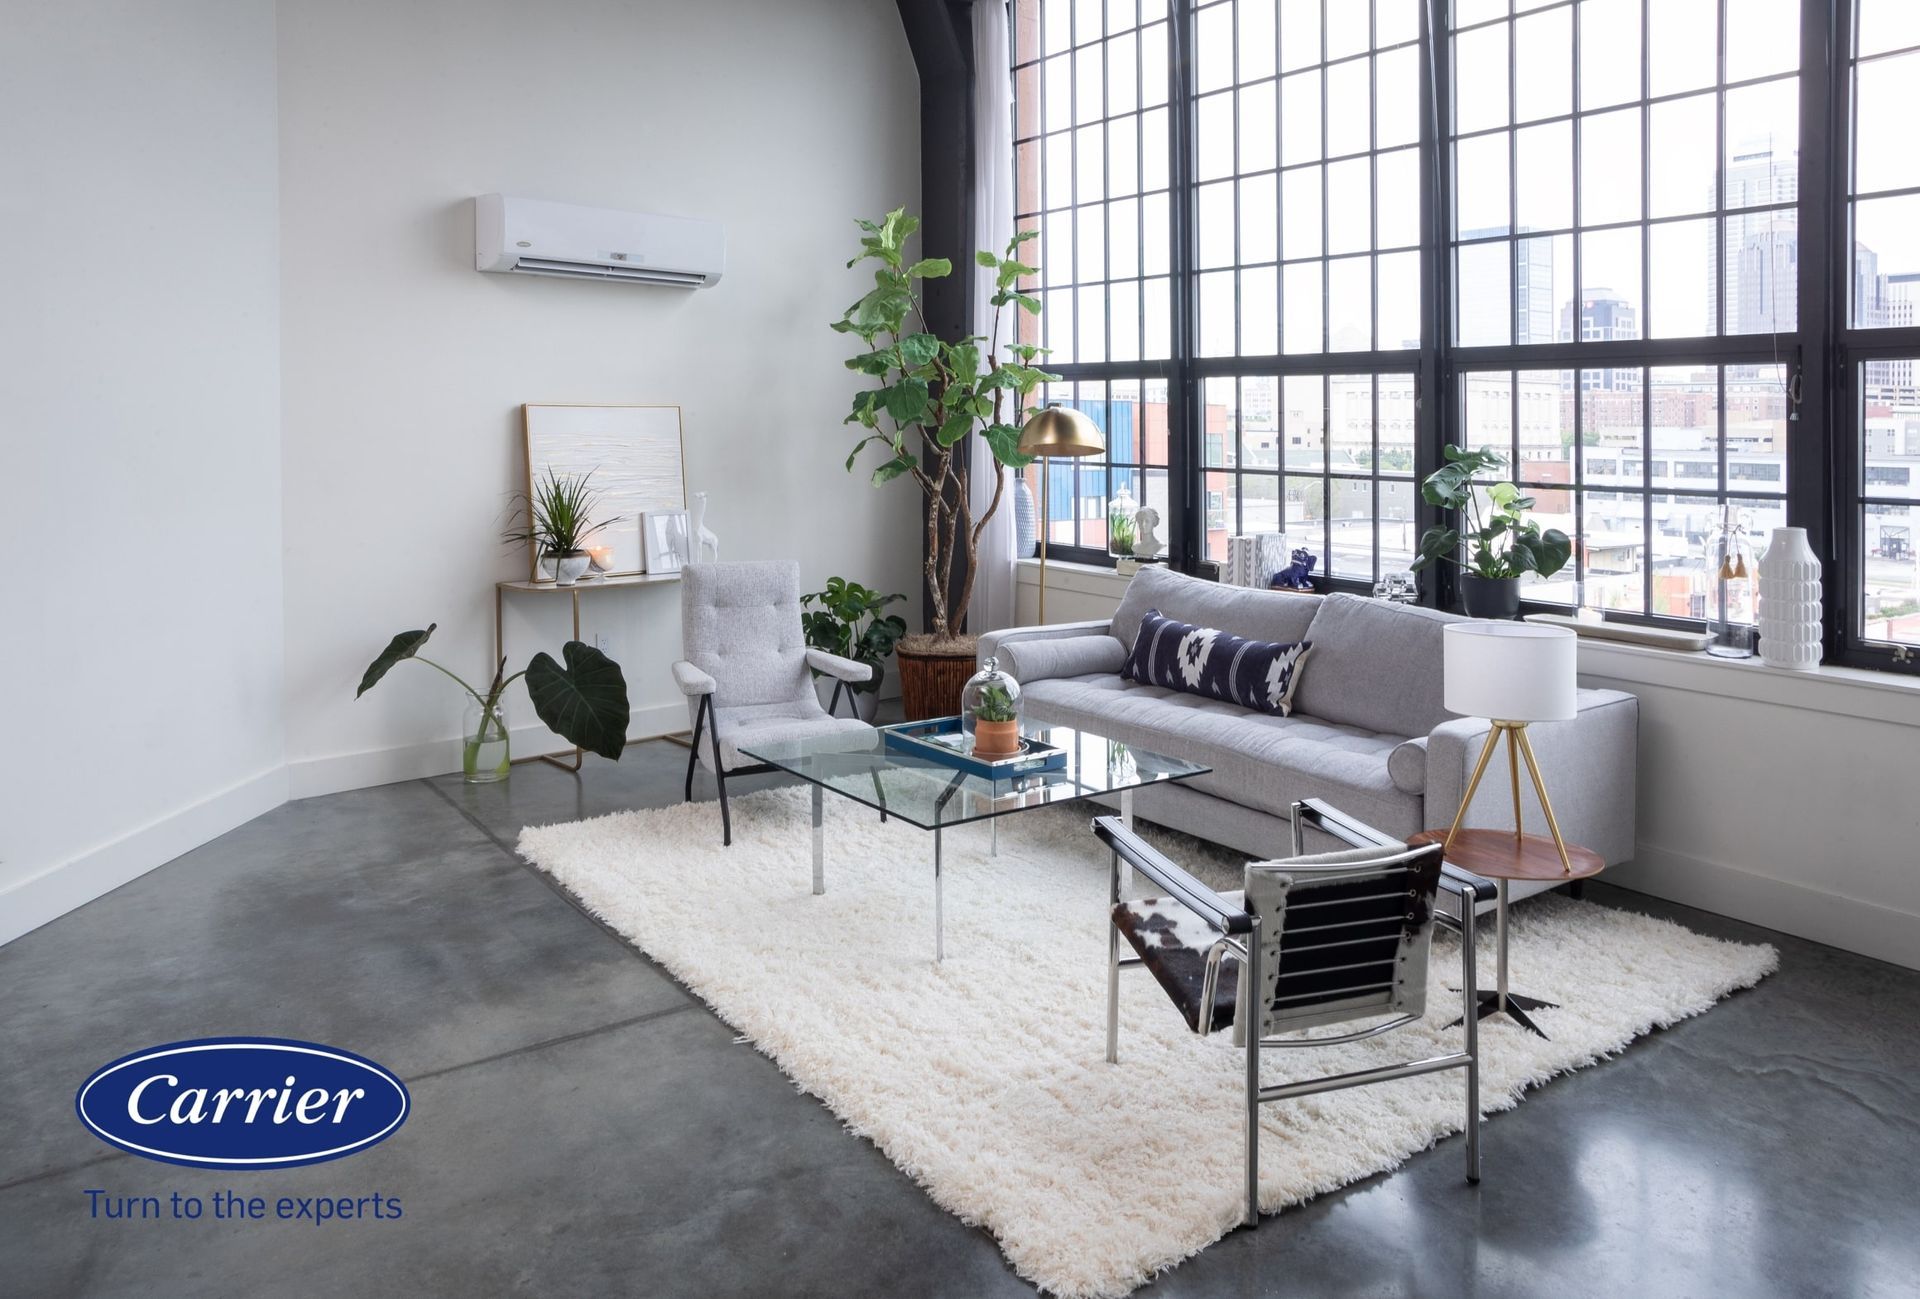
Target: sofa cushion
1258	761
1377	666
1256	674
1256	615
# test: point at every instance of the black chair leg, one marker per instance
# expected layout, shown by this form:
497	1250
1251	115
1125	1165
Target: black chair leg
833	705
693	750
726	817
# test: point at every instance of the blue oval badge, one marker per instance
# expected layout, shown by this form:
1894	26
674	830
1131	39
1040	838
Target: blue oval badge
243	1102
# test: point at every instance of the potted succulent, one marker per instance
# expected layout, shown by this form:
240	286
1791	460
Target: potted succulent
931	398
559	521
1501	543
996	723
585	701
847	621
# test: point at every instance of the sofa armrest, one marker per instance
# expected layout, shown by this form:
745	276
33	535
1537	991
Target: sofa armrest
1588	765
1062	656
851	671
994	642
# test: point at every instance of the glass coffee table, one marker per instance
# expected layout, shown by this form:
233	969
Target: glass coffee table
926	793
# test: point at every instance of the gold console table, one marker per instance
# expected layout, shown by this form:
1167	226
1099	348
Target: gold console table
528	587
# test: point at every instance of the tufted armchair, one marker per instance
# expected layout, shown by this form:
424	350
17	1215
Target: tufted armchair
745	670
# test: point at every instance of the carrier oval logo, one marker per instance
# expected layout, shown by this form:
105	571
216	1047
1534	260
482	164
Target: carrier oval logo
243	1102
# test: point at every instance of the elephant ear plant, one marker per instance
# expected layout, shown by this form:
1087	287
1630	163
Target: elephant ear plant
585	701
1501	542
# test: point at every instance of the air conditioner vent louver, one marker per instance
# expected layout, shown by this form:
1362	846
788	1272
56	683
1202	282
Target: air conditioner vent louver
589	271
534	237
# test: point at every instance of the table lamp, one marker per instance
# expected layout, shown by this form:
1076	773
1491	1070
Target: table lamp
1510	673
1056	430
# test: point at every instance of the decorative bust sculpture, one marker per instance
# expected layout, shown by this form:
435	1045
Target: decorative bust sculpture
1146	541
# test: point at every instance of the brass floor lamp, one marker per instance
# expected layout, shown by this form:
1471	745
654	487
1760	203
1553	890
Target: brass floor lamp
1056	430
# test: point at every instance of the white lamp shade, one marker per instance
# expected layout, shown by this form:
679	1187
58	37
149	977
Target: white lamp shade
1510	671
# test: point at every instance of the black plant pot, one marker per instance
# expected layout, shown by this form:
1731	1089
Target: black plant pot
1490	597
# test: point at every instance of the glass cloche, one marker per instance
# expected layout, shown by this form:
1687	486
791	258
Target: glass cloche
990	712
1121	528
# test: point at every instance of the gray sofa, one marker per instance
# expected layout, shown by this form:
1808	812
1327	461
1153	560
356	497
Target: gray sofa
1368	734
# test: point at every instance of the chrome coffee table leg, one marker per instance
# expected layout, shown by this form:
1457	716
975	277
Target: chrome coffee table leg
819	842
1126	867
993	849
939	924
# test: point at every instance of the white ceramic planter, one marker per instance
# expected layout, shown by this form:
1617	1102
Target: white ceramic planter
1789	612
568	568
866	704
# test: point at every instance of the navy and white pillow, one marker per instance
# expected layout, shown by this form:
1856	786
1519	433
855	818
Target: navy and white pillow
1255	674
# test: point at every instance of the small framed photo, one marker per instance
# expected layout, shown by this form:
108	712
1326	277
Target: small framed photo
665	541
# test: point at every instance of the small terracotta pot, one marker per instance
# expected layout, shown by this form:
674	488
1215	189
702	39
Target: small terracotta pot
996	739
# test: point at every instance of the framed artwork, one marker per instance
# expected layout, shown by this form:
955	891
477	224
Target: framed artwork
635	456
666	540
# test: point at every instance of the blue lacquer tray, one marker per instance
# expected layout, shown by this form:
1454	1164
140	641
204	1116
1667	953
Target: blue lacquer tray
924	740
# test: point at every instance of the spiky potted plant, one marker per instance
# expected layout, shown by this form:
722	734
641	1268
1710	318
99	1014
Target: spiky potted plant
1501	542
559	520
585	701
931	398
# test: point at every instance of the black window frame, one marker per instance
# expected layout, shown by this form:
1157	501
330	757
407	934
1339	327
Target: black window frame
1822	356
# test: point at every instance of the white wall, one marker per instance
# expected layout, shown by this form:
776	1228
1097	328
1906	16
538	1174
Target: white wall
405	369
1783	798
140	599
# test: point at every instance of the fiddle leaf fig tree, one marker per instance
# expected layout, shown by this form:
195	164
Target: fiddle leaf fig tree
931	397
585	701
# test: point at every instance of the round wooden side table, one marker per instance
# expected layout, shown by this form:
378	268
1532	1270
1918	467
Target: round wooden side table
1503	856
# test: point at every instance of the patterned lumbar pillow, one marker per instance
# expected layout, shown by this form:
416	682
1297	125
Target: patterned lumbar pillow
1255	674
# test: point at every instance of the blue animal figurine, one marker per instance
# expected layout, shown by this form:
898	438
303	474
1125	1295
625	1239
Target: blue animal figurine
1296	576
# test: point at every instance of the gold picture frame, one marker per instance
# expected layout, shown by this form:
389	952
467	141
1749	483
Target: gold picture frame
636	454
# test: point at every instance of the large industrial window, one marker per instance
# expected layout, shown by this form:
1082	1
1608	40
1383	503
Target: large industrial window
1294	247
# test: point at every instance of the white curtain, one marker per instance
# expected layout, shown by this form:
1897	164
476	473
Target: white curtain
993	583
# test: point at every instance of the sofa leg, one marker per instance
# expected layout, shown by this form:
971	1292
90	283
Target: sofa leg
1577	889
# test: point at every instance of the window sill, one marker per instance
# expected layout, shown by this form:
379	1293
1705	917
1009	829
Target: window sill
1064	575
1846	692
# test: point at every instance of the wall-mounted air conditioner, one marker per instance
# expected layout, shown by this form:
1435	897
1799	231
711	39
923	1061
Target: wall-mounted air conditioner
531	236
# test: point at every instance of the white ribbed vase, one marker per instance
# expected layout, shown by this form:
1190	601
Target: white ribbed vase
1789	613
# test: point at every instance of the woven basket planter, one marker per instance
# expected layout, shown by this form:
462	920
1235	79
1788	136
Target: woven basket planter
930	683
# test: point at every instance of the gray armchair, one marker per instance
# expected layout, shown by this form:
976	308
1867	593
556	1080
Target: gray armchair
1311	942
746	671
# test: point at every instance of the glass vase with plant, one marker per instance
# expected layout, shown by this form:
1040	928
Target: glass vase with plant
585	701
560	512
1500	541
845	619
990	711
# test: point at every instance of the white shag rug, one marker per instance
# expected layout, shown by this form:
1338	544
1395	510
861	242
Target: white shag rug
985	1079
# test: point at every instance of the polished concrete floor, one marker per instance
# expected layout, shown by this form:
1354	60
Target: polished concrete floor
583	1126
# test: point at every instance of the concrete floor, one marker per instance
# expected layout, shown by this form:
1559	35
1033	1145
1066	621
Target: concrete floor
582	1126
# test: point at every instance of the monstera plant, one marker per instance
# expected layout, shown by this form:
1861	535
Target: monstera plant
1500	541
585	701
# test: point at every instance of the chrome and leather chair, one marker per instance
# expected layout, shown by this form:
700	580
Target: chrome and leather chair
1310	942
747	671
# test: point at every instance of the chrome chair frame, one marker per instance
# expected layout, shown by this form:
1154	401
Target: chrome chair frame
1240	937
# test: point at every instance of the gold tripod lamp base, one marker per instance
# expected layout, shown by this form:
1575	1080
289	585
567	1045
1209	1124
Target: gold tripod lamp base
1517	749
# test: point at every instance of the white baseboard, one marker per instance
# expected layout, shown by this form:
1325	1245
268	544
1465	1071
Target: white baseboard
336	773
1882	932
59	889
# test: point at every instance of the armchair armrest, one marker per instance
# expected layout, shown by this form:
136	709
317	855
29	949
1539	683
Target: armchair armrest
692	681
851	671
1588	765
1330	820
1180	886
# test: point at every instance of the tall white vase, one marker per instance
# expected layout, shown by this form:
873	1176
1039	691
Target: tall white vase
1789	615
